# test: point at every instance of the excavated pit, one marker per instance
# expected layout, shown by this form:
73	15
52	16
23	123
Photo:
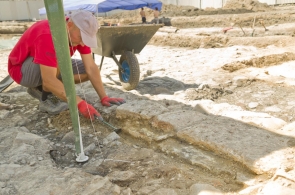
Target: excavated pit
140	154
154	151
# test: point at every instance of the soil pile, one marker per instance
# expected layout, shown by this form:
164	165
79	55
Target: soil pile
169	10
128	17
175	10
253	5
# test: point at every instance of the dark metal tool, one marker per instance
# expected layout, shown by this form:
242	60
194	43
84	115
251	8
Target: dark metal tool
6	82
101	120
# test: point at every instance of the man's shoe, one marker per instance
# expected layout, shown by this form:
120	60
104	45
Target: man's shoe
52	105
34	92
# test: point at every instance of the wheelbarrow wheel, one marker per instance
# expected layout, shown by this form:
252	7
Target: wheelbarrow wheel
129	74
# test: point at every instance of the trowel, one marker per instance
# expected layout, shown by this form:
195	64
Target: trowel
101	120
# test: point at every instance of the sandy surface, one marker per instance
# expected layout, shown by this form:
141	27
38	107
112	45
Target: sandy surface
213	111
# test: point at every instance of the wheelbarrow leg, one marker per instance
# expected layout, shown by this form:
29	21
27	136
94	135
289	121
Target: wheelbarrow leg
102	57
116	60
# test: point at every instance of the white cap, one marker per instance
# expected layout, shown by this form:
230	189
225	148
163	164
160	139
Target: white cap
88	26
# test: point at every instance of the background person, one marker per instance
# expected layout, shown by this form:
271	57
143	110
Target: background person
32	63
143	17
156	15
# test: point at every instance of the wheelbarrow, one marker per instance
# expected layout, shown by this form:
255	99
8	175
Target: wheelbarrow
125	41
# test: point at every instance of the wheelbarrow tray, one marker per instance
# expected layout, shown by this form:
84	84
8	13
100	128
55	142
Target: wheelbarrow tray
118	39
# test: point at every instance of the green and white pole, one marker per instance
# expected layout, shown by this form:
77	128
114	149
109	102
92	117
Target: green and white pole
56	17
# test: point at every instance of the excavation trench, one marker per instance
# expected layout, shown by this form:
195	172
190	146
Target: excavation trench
147	153
143	154
149	149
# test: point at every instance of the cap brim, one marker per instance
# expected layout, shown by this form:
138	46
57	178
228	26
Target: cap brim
89	41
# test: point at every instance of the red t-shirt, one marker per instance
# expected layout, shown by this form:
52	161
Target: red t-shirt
37	43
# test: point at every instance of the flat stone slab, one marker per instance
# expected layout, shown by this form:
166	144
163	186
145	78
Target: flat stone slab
256	141
259	149
177	120
197	157
259	119
141	109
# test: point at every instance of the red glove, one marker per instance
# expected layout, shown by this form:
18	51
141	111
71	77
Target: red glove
87	110
107	101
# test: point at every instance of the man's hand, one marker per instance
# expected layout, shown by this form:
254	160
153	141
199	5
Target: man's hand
87	110
107	101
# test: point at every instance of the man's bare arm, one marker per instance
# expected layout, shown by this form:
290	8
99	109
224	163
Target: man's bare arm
52	84
93	74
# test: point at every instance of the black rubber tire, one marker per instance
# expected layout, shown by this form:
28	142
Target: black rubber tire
132	62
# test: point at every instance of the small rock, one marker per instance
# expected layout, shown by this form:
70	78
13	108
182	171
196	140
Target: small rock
127	191
24	129
5	177
144	174
4	106
4	114
253	105
23	161
240	81
49	121
273	109
149	72
116	190
111	137
69	138
116	143
90	148
161	90
2	184
229	91
34	131
122	176
164	191
177	86
204	189
203	86
32	163
162	137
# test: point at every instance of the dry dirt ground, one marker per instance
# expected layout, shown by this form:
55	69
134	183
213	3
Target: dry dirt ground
236	85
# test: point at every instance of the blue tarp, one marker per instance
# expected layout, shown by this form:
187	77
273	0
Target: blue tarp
102	6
